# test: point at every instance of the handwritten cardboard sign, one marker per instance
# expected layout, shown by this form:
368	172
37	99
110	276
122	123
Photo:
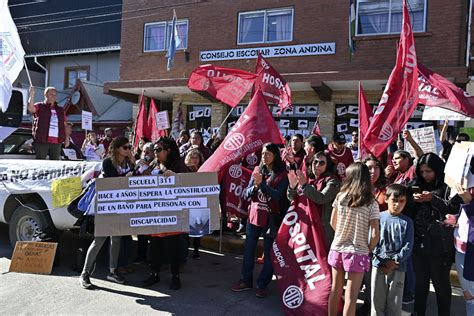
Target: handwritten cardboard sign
64	191
157	204
33	257
425	138
162	120
457	169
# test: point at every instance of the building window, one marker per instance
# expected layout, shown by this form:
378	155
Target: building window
378	17
157	35
71	74
267	26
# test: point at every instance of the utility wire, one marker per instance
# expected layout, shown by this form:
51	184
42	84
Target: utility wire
103	15
64	12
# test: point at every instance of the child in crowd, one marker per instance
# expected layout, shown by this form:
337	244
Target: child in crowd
355	213
391	254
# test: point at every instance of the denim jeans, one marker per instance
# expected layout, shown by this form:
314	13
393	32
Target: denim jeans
252	234
465	284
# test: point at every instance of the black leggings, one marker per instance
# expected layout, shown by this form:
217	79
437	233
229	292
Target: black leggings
436	268
165	250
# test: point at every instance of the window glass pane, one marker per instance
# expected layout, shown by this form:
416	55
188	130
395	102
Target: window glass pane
416	9
373	16
279	26
182	34
82	74
154	37
72	75
251	27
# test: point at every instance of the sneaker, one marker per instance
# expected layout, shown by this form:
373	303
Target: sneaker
85	281
241	286
115	277
260	260
175	283
260	293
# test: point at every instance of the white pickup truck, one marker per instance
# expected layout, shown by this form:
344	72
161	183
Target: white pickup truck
25	188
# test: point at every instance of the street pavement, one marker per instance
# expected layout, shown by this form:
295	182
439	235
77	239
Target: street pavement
205	288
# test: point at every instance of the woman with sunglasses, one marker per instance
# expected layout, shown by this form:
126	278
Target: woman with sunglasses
166	247
321	189
118	163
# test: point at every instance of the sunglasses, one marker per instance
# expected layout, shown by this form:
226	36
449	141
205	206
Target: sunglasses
127	147
319	162
158	149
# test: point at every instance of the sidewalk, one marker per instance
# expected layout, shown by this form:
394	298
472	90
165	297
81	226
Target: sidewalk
233	243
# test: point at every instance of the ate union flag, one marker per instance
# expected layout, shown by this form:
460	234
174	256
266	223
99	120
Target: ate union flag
400	96
224	84
254	128
234	183
273	86
300	264
365	116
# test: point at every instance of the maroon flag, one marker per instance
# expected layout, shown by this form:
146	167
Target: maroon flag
316	128
155	134
273	86
299	256
400	97
437	91
234	183
365	116
224	84
254	128
141	124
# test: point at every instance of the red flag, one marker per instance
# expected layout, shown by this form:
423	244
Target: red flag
274	87
224	84
234	183
400	97
155	134
437	91
141	124
300	263
254	128
316	128
365	116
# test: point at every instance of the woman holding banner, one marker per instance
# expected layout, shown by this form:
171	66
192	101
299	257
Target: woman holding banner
322	190
166	247
119	163
266	190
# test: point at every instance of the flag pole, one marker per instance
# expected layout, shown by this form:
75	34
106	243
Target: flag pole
27	72
135	127
225	120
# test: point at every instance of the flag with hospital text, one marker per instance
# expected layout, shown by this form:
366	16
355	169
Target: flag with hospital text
300	264
274	87
254	128
437	91
400	96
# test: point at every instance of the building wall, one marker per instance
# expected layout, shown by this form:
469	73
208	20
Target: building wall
103	67
213	25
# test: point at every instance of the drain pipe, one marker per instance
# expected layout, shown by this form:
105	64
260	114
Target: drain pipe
468	48
46	79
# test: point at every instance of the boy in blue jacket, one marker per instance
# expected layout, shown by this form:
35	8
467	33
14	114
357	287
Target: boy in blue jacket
391	253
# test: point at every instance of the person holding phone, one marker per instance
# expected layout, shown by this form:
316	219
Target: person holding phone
433	252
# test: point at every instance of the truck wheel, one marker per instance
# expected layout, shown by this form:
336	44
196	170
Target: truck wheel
26	224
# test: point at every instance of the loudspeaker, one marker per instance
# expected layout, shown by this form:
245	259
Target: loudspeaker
14	114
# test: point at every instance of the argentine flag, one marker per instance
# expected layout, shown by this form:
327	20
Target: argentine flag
173	43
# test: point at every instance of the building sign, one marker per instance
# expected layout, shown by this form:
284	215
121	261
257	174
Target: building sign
276	51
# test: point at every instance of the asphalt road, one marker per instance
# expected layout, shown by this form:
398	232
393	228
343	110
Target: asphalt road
205	289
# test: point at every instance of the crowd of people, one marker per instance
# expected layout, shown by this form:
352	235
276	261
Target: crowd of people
390	223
